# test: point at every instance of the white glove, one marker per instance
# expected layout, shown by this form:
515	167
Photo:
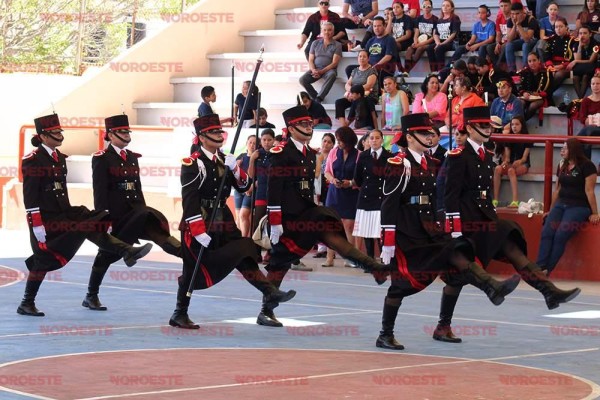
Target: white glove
276	232
230	161
203	238
387	252
40	233
456	235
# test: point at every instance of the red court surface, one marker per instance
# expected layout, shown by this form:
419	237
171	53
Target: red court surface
283	373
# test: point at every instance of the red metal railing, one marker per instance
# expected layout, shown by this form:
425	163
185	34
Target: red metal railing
100	130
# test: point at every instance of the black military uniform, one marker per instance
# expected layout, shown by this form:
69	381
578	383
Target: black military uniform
540	84
559	50
486	83
470	212
291	207
58	229
422	249
118	190
201	174
368	175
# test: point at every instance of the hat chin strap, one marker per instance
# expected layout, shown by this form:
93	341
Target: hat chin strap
478	131
419	141
121	138
301	132
219	141
54	137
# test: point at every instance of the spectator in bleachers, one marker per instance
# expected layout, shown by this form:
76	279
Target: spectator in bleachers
455	70
495	51
588	114
317	112
559	52
585	62
363	143
238	106
547	29
515	162
541	8
362	110
506	106
358	14
535	86
394	104
400	27
488	78
243	201
364	74
482	34
444	34
262	120
431	101
422	36
368	176
312	28
339	171
325	54
472	69
261	158
355	45
209	96
464	98
412	8
590	16
573	203
523	34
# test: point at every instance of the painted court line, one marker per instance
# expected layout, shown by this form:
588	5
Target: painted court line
19	276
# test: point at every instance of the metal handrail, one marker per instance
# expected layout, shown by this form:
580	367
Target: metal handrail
100	129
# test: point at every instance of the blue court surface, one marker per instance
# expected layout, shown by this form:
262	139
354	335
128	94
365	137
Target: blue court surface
519	350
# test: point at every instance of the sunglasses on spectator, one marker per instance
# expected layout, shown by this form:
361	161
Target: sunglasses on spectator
426	6
324	3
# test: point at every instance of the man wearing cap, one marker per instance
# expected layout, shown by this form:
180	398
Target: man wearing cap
506	105
225	248
58	229
118	190
412	239
470	212
296	222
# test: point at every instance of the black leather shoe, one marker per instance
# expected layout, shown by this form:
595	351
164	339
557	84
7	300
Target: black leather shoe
29	309
388	342
267	318
135	253
320	254
92	302
183	321
445	334
561	296
277	297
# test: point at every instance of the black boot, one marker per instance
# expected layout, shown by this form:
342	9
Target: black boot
91	301
267	317
380	271
180	318
443	331
172	246
386	339
533	275
27	306
495	290
114	245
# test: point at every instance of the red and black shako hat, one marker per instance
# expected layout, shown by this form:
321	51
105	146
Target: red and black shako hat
295	115
413	124
209	123
47	123
116	123
477	115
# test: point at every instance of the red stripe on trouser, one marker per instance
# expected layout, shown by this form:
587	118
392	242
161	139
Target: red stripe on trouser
188	243
403	269
59	258
291	246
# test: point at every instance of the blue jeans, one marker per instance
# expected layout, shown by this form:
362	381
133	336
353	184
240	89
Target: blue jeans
562	223
516	45
589	131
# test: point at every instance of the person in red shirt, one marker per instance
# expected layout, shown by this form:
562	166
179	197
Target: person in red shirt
496	50
589	107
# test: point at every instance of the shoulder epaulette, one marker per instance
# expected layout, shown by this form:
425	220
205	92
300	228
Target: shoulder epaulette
276	149
30	155
137	155
99	153
187	161
455	152
397	159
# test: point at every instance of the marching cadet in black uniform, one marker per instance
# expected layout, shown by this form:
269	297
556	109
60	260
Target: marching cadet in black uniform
368	175
535	81
559	52
226	249
296	222
418	246
118	190
58	229
470	212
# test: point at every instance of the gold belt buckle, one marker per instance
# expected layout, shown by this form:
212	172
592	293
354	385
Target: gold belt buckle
57	186
483	194
304	185
423	200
